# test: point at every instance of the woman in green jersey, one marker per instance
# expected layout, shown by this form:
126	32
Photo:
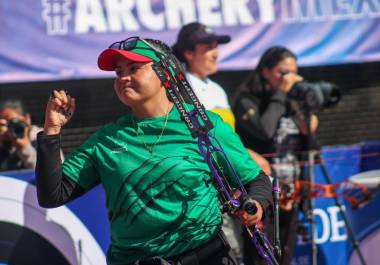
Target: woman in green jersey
160	200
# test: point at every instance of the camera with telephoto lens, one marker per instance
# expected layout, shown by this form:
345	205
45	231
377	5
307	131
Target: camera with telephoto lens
315	96
16	128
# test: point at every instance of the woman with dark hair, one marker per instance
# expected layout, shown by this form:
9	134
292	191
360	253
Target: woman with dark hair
161	207
273	124
197	46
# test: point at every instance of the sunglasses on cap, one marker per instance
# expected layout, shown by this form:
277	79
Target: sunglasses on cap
135	49
140	46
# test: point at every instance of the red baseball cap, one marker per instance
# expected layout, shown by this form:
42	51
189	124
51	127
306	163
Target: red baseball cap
137	51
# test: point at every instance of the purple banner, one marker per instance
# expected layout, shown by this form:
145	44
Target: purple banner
61	39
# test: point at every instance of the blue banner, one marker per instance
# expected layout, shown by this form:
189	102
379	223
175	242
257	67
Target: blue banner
61	39
346	166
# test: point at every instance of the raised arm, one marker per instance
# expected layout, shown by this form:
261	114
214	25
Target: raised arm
53	187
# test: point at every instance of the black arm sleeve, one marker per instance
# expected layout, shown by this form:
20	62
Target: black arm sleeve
260	189
53	187
260	123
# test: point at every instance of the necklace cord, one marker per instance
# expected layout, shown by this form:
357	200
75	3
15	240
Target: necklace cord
147	147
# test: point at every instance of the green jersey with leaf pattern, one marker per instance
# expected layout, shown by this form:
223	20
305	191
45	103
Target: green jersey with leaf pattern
160	203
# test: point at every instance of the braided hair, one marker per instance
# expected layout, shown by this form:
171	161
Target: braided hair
160	45
166	51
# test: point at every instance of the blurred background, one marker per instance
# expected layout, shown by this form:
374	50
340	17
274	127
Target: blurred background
54	44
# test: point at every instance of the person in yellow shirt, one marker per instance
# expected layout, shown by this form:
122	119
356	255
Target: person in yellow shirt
197	48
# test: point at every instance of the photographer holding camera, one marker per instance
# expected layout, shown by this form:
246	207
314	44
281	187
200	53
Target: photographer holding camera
272	122
17	137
